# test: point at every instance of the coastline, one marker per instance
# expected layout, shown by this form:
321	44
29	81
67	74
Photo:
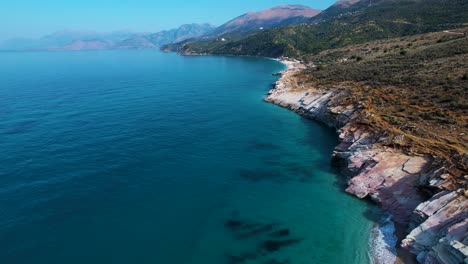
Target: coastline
385	234
427	229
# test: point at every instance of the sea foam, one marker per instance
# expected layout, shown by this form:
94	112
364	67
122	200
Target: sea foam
383	242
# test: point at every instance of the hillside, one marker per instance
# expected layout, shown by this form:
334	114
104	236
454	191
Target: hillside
400	108
344	23
415	85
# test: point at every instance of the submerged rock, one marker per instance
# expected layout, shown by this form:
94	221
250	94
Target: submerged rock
248	229
256	231
266	238
275	245
236	259
280	233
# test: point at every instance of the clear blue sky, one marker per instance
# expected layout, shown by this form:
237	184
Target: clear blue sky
33	18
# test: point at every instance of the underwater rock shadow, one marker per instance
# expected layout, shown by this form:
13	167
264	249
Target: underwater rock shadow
276	245
271	237
242	258
281	174
256	231
277	262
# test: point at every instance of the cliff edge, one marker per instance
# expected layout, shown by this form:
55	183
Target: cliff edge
436	220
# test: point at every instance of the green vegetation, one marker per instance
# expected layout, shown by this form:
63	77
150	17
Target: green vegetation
412	83
421	95
426	64
338	27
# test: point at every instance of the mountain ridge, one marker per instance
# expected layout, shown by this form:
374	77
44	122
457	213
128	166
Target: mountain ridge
83	40
344	23
268	18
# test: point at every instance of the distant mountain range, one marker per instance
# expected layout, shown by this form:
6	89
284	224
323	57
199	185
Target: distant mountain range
77	40
245	24
159	39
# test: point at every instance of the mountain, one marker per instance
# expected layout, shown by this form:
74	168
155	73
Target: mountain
79	40
85	45
346	3
135	42
159	39
184	32
269	18
68	40
345	23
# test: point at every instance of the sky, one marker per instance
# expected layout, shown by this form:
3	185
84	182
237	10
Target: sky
35	18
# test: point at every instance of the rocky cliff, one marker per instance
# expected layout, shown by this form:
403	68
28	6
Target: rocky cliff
415	189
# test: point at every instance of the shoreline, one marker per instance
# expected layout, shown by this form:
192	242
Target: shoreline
429	214
426	228
377	242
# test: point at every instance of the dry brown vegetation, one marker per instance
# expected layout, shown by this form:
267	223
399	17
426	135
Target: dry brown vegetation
414	88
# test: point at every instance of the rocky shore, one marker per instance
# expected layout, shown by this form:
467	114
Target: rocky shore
415	189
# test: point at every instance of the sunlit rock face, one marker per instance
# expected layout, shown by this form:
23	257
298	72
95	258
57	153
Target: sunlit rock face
438	227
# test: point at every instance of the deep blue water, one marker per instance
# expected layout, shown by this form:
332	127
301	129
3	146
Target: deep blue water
144	157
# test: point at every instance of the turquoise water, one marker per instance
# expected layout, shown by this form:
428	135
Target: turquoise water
144	157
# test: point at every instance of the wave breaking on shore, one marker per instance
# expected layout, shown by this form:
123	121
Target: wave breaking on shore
382	242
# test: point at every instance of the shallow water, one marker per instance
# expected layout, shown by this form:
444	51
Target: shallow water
144	157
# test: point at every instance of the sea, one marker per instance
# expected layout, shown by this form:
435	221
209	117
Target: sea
150	157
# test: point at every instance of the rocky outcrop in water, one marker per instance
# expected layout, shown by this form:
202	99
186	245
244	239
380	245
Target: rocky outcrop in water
413	188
